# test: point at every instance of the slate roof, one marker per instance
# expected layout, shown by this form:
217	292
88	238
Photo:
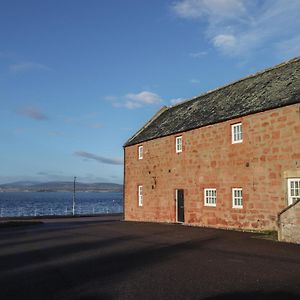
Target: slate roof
272	88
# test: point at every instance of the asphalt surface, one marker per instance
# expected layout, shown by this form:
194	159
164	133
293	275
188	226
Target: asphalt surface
103	258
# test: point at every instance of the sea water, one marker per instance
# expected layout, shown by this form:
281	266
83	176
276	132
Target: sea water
59	203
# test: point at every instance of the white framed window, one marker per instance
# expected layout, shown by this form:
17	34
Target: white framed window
141	152
237	133
293	190
140	195
237	198
178	144
210	197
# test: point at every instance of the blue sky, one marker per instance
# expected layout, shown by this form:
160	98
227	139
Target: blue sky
78	78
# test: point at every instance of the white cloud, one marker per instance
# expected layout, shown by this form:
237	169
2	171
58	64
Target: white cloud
240	28
132	104
224	41
27	66
117	104
176	101
195	81
144	97
198	54
132	101
209	8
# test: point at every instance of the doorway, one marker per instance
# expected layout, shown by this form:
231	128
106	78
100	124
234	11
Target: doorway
180	206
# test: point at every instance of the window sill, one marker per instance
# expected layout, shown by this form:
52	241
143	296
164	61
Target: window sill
236	142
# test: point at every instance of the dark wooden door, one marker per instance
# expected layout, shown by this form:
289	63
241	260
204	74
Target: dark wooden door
180	206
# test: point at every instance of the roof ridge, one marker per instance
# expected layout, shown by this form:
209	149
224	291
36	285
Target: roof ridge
239	80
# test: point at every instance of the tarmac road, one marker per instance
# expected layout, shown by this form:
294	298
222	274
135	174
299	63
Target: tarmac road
104	258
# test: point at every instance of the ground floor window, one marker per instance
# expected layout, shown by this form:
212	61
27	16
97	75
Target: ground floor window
140	195
210	197
293	190
237	198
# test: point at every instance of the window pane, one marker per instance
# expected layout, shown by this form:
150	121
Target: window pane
140	152
237	134
179	144
237	198
210	197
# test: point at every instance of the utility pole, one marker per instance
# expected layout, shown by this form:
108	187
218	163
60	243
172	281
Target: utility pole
74	191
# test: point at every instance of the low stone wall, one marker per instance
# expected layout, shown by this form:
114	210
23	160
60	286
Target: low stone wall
289	224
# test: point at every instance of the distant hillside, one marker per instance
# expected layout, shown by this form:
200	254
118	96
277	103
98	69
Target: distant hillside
65	186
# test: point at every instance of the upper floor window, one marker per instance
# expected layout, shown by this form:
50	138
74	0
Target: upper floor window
237	198
237	133
140	195
141	152
210	197
178	144
293	190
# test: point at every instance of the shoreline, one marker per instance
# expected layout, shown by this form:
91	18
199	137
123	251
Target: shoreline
77	191
35	218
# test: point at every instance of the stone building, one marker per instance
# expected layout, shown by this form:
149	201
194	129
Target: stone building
229	158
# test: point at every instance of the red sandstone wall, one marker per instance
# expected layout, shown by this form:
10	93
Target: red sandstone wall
269	153
289	224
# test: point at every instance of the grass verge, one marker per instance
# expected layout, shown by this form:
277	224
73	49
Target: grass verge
267	235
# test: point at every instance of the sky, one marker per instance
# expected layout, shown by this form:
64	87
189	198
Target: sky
80	77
